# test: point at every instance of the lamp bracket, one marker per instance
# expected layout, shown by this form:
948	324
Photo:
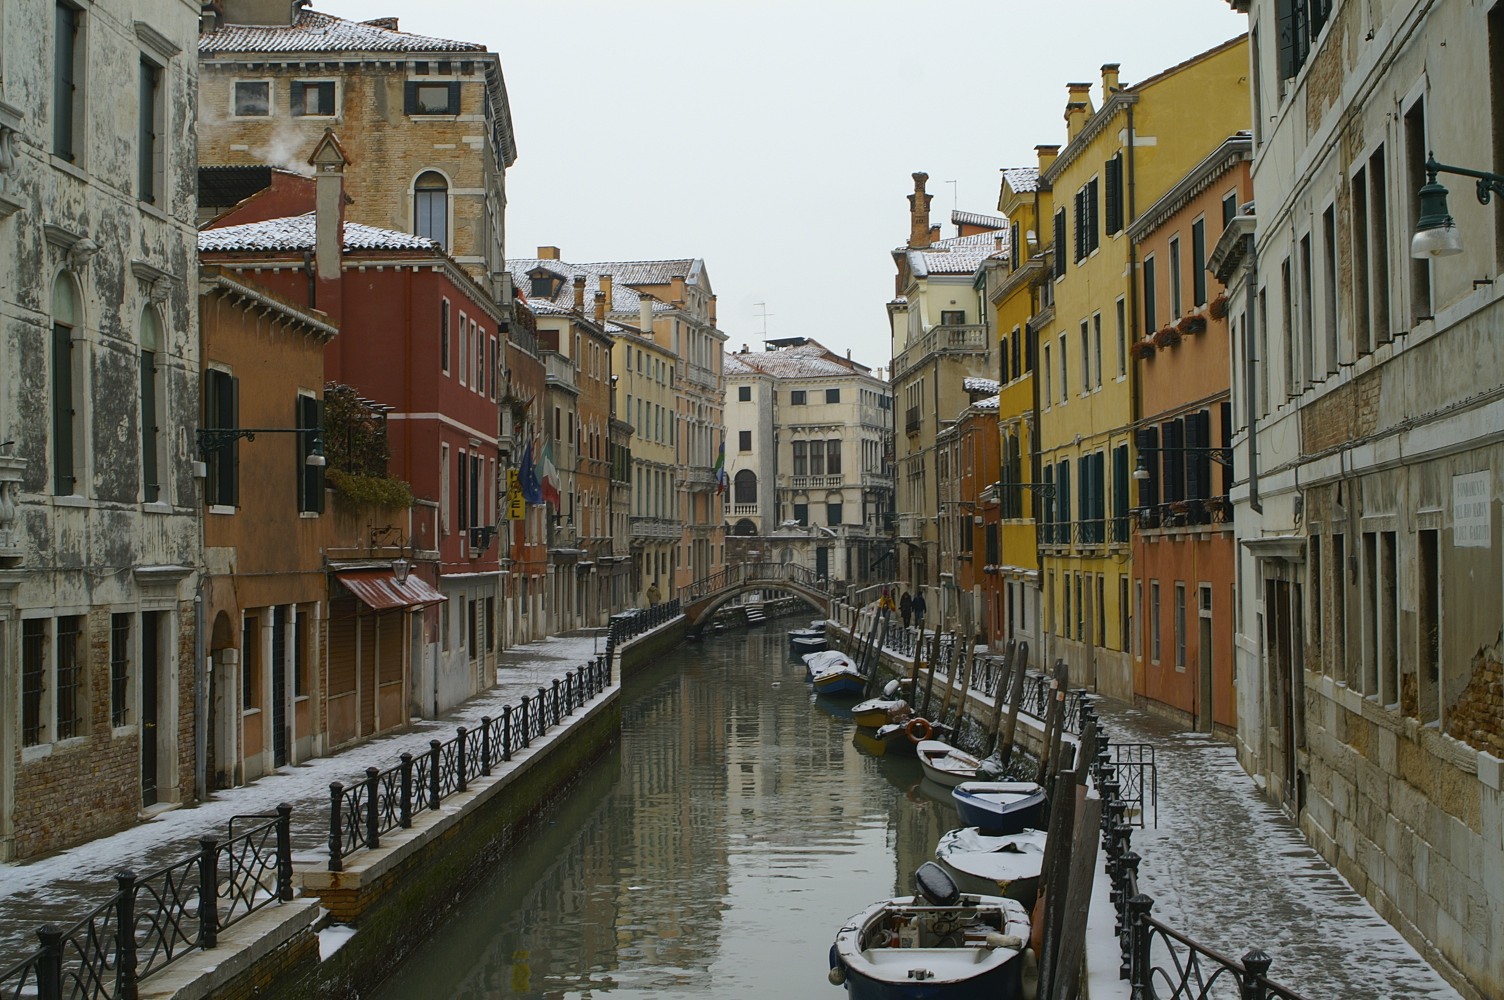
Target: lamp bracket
1489	183
212	439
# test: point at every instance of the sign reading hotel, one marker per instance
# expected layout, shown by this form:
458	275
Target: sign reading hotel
516	503
1472	500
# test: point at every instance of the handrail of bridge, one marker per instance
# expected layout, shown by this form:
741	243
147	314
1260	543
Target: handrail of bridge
765	571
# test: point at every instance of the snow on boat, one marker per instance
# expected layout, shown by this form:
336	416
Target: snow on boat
904	737
825	659
935	945
999	807
810	642
946	765
1007	866
876	712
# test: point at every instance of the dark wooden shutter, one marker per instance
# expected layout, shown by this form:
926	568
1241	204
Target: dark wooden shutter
150	490
296	98
1060	249
1094	223
410	97
310	413
1148	453
1120	480
1172	432
62	410
1113	174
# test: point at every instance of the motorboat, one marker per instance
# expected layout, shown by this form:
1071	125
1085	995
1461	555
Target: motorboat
805	641
999	807
938	944
946	765
877	712
1006	866
825	659
903	738
839	679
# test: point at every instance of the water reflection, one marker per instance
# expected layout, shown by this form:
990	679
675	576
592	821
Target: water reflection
714	853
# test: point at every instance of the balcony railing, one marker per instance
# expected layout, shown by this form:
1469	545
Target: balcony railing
700	376
696	478
816	482
911	525
876	481
1086	533
742	509
967	339
558	369
1185	513
911	420
656	527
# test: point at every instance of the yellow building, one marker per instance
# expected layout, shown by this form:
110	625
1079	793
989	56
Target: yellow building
1019	294
1118	158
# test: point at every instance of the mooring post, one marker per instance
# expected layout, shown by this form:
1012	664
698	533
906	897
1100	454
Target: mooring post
50	963
284	851
208	891
336	802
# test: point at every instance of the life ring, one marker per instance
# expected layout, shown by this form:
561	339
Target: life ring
918	730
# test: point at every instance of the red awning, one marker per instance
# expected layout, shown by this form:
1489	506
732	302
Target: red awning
380	591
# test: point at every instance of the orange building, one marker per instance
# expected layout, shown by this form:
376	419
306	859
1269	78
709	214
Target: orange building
968	458
1183	549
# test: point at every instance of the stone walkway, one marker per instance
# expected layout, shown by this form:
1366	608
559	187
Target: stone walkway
62	888
1228	869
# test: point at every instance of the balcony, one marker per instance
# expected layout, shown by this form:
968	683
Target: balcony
816	482
741	509
644	528
961	339
559	370
911	525
11	471
703	377
876	481
696	479
911	420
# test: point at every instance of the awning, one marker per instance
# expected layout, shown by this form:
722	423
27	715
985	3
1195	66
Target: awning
379	590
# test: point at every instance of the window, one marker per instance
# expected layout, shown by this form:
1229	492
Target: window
1049	389
1096	348
431	207
250	664
67	79
1175	289
1065	377
148	125
801	458
1087	237
52	681
310	415
744	487
65	389
744	440
832	395
120	669
817	458
952	317
1085	357
1059	247
33	681
221	410
796	397
1300	23
253	98
1122	337
1138	616
1180	626
1229	208
312	98
444	503
833	457
1306	309
1198	263
1154	644
832	513
1150	319
432	98
68	673
1415	168
1329	287
1113	176
801	513
444	336
744	393
151	418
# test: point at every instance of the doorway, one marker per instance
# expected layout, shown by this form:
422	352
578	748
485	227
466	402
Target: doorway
1204	721
151	660
279	686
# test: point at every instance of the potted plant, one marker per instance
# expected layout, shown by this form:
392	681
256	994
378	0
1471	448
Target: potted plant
1166	337
1191	324
1218	307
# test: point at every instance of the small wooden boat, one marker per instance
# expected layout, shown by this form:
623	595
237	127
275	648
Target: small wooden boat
825	659
903	738
945	765
840	680
999	807
1006	866
877	712
934	945
803	642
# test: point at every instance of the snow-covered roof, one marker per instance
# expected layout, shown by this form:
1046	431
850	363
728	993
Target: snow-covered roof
809	360
989	403
960	218
624	275
975	383
1022	179
298	233
315	31
958	255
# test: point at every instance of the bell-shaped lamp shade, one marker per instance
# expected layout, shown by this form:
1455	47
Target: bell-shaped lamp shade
1436	232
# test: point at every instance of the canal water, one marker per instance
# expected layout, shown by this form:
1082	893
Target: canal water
713	855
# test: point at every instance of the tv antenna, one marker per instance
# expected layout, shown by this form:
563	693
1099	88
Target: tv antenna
954	197
762	312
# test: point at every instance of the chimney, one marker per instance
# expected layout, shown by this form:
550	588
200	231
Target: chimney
1047	155
210	17
579	294
677	284
1110	84
548	253
328	161
1077	109
605	283
600	308
934	235
919	214
645	314
712	310
1080	93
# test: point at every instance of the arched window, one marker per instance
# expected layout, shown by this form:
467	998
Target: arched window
744	489
431	207
151	343
66	319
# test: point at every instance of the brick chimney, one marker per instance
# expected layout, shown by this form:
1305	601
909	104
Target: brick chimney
1047	155
579	294
548	253
934	235
919	214
712	310
605	283
600	308
1077	109
1110	84
676	283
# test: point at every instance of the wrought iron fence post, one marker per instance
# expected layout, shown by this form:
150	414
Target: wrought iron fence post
556	701
284	852
459	760
1257	963
527	738
373	807
405	813
542	704
1136	956
208	891
50	963
485	745
434	748
336	800
506	732
125	935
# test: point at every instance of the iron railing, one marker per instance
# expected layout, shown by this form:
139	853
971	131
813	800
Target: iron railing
767	572
386	799
150	921
628	625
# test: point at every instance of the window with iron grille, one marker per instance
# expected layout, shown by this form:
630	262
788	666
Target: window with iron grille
34	714
120	669
70	677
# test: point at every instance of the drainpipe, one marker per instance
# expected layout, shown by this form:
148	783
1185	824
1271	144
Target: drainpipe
1250	362
200	699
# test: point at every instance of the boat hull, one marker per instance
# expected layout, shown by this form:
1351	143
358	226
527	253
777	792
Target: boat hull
926	969
840	682
1008	866
1000	807
945	765
877	712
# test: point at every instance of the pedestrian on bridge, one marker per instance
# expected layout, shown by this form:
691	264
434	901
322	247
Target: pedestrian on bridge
906	607
654	594
919	608
885	603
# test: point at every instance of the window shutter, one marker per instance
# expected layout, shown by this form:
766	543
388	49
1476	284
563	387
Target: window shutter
1173	434
62	410
1110	173
1120	480
230	403
296	99
454	98
1148	450
1093	231
410	97
1060	243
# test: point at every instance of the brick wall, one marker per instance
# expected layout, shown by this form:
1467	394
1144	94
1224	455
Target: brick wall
1477	718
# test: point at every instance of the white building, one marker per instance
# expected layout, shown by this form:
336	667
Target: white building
99	395
1368	392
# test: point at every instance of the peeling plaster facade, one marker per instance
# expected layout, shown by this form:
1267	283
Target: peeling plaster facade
98	550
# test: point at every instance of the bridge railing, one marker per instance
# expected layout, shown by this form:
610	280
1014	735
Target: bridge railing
741	574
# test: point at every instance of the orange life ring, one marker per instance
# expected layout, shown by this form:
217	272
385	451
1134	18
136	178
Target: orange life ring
912	730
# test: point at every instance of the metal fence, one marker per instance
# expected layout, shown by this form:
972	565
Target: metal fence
628	625
152	920
385	800
1161	963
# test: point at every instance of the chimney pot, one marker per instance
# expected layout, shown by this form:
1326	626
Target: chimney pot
676	283
1110	81
600	308
579	293
548	253
605	281
919	214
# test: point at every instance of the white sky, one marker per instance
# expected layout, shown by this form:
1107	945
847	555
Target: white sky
775	138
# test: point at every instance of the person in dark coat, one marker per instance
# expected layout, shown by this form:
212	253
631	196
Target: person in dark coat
906	607
919	608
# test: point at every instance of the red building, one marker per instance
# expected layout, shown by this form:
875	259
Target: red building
423	341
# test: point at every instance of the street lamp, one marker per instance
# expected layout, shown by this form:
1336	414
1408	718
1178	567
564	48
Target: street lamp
1436	232
1222	456
212	439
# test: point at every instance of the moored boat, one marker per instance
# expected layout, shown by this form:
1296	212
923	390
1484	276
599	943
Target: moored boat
876	712
937	944
904	737
825	659
809	642
946	765
999	807
1005	866
839	680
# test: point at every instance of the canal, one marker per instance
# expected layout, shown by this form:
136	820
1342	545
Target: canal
715	853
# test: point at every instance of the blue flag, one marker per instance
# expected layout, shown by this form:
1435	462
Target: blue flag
532	490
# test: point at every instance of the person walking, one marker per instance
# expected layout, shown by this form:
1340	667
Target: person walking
919	608
906	607
654	594
885	603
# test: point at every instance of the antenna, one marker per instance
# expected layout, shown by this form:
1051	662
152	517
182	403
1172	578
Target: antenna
954	197
762	312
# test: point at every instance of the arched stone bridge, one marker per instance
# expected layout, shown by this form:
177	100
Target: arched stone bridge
701	599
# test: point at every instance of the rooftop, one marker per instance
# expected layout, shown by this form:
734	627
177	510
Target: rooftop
298	233
957	255
1022	179
315	31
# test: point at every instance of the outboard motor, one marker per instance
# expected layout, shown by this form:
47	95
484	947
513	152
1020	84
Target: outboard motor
890	689
937	887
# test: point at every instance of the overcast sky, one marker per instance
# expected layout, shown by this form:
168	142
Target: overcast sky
774	139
